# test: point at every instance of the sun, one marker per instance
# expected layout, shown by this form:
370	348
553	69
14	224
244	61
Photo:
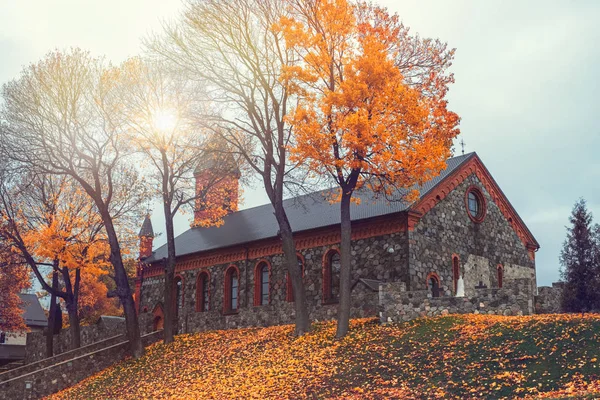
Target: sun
164	120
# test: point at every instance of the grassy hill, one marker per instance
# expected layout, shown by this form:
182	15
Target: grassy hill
469	356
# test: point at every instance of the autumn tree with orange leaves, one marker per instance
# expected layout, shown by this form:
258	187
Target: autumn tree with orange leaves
13	279
48	222
371	106
158	107
61	118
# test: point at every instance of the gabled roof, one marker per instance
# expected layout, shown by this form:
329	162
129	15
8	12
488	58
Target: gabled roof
33	312
305	212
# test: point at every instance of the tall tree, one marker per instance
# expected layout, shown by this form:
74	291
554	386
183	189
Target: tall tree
61	118
50	222
230	48
579	258
157	108
371	110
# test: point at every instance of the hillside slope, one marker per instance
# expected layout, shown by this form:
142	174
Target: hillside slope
468	356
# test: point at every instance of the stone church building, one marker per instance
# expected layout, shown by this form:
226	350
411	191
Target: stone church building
407	259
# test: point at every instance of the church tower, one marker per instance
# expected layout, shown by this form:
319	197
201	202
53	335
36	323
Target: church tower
146	236
217	188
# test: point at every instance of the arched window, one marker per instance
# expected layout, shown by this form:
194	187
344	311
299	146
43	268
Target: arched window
231	303
261	284
178	298
331	277
158	318
289	289
203	292
455	271
433	284
500	275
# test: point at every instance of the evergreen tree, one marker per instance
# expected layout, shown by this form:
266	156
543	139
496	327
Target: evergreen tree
579	259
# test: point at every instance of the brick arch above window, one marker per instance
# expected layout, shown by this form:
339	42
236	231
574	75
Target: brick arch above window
474	198
262	283
231	289
455	270
435	289
203	291
158	317
331	275
500	270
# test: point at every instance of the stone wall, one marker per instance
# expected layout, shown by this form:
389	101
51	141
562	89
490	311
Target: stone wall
397	304
371	259
447	230
51	379
548	300
106	327
46	362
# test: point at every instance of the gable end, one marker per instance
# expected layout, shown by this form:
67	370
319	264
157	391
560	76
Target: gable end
474	166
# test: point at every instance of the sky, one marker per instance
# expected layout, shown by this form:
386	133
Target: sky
527	87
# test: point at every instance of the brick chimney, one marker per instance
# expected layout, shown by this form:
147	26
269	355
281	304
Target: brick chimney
217	188
146	236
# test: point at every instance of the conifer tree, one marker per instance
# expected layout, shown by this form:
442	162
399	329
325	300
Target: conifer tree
579	260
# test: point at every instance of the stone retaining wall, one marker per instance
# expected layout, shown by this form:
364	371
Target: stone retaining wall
548	300
46	362
106	327
397	304
51	379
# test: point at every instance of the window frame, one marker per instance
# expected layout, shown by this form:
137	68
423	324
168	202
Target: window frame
230	272
430	276
259	284
500	275
482	204
328	297
455	271
202	301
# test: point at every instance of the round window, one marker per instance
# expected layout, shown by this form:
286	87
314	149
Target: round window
475	204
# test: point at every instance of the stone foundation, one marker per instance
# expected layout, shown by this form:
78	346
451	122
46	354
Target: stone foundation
397	304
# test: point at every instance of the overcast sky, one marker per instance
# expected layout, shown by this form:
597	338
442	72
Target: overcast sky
527	87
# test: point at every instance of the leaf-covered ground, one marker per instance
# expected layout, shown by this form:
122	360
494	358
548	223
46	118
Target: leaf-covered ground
469	356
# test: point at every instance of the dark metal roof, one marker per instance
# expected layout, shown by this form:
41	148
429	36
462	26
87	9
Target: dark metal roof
146	230
33	312
304	212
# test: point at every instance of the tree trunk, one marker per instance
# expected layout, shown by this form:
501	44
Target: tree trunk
170	307
343	322
295	272
72	306
123	290
52	316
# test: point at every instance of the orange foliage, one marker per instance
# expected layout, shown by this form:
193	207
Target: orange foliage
362	109
13	279
71	231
